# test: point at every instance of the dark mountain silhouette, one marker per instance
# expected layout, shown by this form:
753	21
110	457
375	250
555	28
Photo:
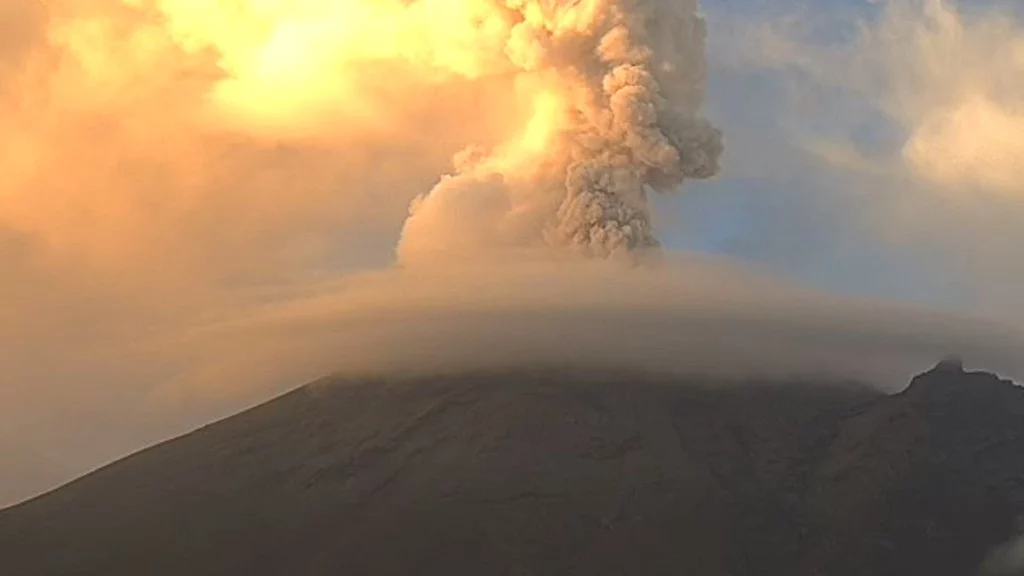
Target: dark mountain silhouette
556	473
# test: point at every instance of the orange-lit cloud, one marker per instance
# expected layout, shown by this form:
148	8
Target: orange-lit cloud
133	132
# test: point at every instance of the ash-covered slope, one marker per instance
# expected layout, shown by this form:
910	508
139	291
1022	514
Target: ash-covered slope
555	473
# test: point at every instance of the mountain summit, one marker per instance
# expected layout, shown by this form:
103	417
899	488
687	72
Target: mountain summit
556	472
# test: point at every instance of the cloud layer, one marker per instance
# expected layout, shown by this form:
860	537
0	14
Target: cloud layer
907	122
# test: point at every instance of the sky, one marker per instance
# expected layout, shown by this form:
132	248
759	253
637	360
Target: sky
204	204
810	218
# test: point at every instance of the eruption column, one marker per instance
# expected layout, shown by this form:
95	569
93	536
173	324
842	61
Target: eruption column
623	84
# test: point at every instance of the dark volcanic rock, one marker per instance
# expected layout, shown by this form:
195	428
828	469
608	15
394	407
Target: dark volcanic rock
555	473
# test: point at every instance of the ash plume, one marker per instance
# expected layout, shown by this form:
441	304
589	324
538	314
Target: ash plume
616	88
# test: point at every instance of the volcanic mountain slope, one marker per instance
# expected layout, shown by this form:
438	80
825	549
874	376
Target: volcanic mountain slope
555	473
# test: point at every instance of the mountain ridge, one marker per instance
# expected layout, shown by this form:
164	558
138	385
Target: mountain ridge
555	472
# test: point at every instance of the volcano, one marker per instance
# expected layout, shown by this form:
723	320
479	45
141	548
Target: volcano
556	472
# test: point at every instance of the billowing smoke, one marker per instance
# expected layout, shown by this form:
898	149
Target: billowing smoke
616	88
